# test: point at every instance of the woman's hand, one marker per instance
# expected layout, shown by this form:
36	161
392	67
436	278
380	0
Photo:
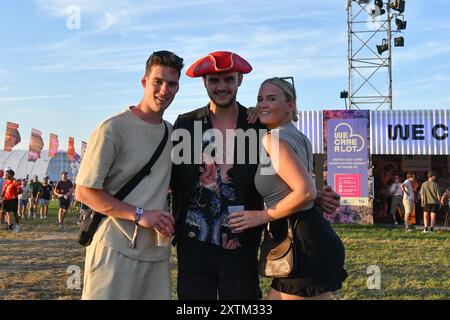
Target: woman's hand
243	220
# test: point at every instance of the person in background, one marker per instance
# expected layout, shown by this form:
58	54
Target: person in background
408	198
45	197
445	202
2	212
11	190
396	192
24	200
84	212
36	189
430	198
63	190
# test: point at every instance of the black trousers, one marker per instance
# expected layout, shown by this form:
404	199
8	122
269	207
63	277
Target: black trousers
209	272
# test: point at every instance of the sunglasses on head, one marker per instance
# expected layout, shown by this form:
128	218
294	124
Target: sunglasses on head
291	79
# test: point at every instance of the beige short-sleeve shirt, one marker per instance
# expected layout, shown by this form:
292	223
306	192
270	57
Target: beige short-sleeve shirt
118	148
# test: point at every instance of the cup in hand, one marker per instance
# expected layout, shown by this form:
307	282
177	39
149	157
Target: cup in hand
232	209
162	241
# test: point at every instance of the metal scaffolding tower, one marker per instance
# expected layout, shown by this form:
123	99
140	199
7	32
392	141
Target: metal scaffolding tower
370	52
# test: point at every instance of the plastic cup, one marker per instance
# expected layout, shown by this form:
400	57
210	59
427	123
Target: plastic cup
162	241
232	209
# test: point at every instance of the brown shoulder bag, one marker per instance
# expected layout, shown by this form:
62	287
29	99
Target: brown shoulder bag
278	259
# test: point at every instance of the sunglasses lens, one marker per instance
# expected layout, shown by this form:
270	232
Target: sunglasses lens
291	79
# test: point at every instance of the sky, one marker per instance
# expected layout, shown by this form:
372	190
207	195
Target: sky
64	77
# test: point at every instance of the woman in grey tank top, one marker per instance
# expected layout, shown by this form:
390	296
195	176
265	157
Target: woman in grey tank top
285	182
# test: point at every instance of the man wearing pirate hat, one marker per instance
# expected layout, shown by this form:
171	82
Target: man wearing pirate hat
213	261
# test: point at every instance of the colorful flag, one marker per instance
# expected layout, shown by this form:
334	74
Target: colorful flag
71	150
12	136
83	149
54	144
36	145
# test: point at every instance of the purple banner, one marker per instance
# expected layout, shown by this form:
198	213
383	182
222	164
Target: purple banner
347	164
348	160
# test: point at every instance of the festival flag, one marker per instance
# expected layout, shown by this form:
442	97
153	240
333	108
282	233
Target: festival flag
12	136
36	145
83	149
53	145
71	150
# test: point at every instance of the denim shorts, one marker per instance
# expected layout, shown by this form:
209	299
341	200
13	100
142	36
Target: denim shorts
44	202
23	202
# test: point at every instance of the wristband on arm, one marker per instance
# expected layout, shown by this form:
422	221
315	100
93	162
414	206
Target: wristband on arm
137	217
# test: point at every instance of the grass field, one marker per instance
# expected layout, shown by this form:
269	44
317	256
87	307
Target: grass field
34	263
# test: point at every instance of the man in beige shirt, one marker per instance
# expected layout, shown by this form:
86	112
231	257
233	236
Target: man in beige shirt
430	197
119	147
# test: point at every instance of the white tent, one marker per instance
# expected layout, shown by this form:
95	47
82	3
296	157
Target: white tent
45	166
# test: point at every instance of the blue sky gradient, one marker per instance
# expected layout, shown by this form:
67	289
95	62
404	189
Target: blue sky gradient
65	81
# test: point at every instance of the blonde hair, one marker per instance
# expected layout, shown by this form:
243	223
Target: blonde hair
288	90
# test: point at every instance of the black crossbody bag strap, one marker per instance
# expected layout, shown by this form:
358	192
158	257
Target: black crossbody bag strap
145	171
90	227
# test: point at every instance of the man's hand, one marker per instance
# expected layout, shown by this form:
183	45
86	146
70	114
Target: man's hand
252	115
328	200
159	220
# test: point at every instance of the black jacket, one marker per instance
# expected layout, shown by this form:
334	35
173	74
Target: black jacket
185	177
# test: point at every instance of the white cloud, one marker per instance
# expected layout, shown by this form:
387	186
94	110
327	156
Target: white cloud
107	66
108	13
120	91
425	51
427	81
15	99
91	108
49	68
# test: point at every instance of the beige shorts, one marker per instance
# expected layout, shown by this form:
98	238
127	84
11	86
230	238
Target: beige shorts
109	275
409	206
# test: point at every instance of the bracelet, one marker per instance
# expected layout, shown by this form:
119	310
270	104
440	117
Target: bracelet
139	213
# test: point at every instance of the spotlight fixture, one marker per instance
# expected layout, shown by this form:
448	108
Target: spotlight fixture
378	10
344	95
401	23
362	1
383	47
398	5
399	42
379	3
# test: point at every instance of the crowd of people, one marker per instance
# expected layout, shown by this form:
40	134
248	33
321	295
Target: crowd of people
429	198
22	199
